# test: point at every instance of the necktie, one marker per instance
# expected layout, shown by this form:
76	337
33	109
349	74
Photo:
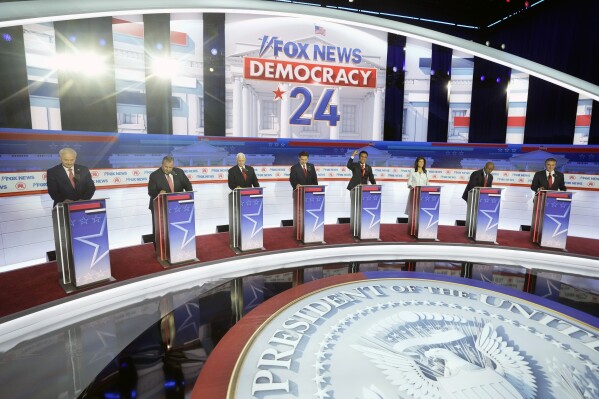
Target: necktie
169	178
245	176
550	180
363	169
485	181
71	177
305	171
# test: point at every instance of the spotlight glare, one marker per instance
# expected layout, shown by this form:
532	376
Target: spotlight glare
89	64
165	67
214	51
482	78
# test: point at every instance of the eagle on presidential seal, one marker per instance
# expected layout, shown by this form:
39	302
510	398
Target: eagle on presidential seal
430	355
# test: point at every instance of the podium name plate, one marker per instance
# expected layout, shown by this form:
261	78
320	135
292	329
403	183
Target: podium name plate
81	240
551	218
482	217
309	214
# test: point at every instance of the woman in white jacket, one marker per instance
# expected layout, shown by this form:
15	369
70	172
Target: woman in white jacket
417	177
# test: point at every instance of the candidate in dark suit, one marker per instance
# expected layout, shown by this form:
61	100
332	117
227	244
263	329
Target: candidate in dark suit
166	179
69	181
159	179
361	172
302	173
548	179
242	176
480	178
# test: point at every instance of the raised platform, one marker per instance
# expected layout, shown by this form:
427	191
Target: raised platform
26	289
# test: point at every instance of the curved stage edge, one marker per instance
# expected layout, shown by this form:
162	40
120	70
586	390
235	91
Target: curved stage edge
167	289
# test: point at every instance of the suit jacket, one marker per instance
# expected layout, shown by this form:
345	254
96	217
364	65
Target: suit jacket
236	179
357	178
477	179
61	189
158	183
297	176
540	180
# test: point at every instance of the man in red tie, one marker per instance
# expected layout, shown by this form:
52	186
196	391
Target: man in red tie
548	179
361	171
303	173
242	175
166	179
69	181
480	178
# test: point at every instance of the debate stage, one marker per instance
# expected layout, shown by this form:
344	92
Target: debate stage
32	288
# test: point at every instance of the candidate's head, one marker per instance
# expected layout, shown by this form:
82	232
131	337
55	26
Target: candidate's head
550	164
363	156
303	158
420	162
489	167
168	163
68	156
241	160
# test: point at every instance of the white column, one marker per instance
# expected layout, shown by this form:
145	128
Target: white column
334	130
246	110
285	131
377	114
237	107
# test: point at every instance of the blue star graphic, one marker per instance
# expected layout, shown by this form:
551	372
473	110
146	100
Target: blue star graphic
316	213
255	228
432	221
564	218
491	214
374	221
96	246
185	231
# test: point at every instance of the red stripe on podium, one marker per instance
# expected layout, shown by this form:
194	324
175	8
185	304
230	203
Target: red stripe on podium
179	197
314	189
250	192
79	207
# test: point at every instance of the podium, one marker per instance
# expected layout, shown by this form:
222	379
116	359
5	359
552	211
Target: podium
551	218
423	214
175	228
308	214
482	215
81	241
246	219
365	217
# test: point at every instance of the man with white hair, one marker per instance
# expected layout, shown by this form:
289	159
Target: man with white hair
69	181
242	175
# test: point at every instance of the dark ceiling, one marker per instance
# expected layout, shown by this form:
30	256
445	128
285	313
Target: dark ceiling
471	13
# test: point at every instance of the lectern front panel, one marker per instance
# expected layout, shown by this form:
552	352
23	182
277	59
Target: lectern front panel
251	219
181	227
89	238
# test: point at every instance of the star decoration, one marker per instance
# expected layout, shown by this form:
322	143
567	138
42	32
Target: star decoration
279	93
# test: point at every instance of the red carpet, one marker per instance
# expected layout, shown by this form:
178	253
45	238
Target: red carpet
26	288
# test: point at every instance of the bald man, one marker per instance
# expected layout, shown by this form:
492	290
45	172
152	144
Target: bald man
69	181
480	178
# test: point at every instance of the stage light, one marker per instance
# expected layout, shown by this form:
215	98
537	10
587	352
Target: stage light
89	64
211	69
432	72
158	46
165	67
487	43
498	80
482	78
503	46
6	37
72	38
214	51
394	69
526	4
102	42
